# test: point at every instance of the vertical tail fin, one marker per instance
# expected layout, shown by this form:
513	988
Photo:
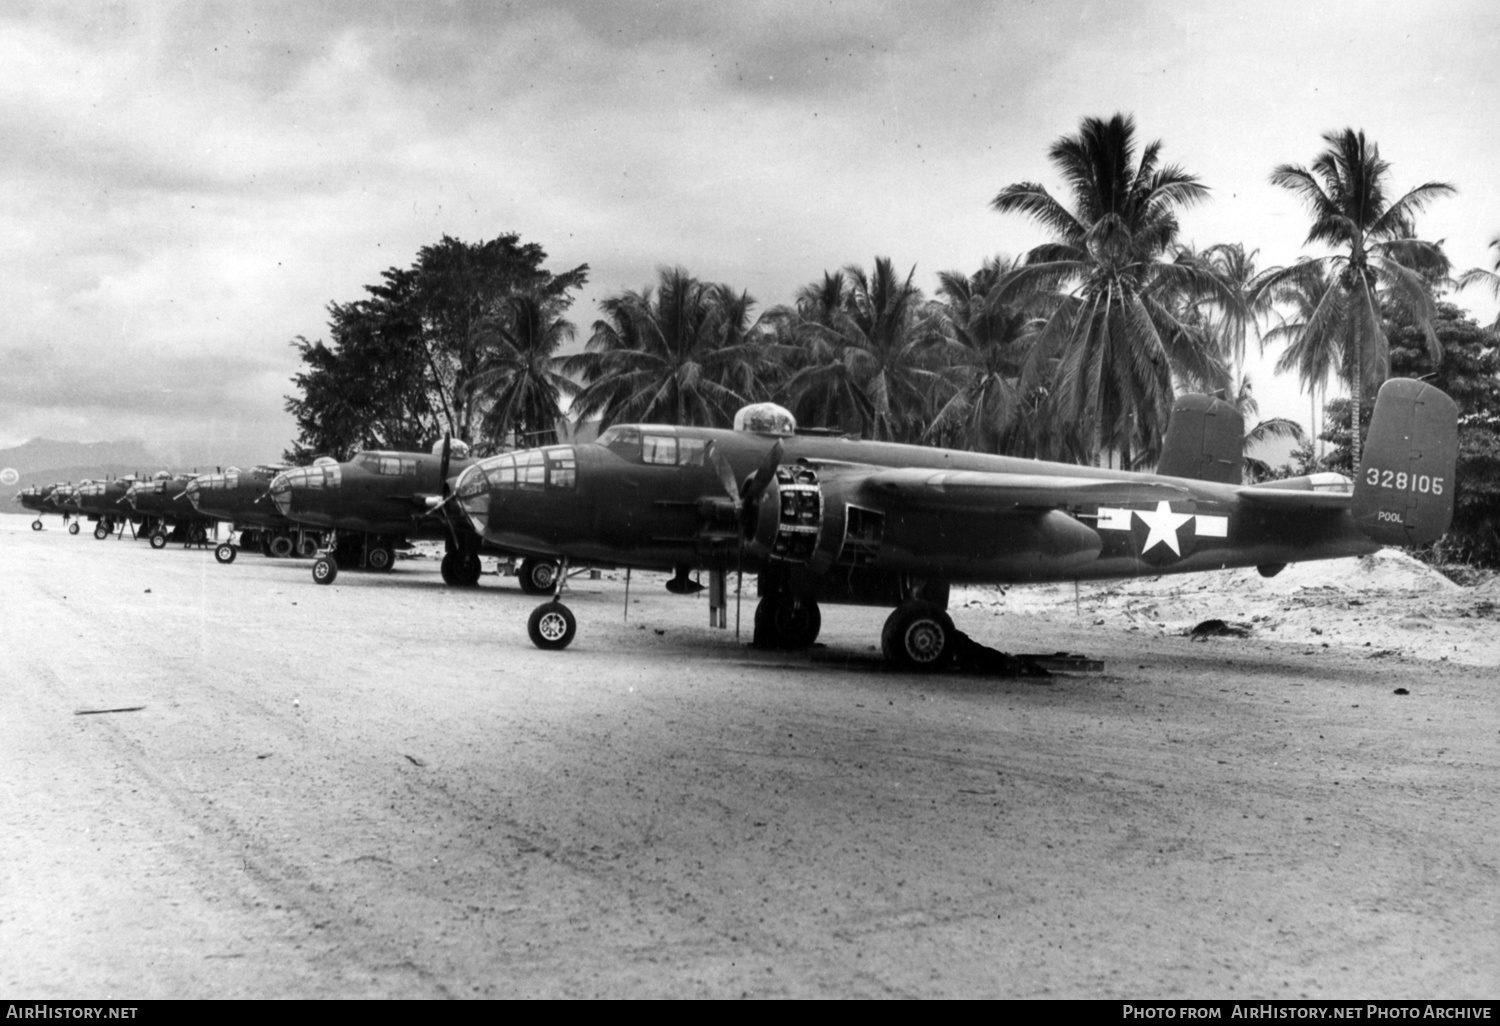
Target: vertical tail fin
1205	441
1403	493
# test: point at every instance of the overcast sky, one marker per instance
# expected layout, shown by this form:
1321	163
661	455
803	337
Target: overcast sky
185	187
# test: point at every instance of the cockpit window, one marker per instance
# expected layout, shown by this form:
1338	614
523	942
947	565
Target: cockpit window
624	442
659	449
553	467
386	464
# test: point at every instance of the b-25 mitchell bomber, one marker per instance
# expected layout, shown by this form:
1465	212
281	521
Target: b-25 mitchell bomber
169	515
103	503
242	499
379	502
39	499
823	519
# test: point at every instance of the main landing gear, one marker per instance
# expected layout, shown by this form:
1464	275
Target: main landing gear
538	576
461	568
225	552
36	525
918	636
372	552
73	528
784	621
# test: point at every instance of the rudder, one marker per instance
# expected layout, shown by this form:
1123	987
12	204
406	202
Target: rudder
1403	493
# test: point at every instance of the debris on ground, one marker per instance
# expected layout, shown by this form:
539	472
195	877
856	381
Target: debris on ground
1220	629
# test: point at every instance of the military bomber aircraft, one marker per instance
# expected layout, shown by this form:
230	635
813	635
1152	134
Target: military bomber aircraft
823	519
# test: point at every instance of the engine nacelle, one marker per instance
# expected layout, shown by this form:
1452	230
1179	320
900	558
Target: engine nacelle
806	517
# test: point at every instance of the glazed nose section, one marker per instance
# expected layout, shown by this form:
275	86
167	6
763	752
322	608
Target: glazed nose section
473	491
281	492
298	490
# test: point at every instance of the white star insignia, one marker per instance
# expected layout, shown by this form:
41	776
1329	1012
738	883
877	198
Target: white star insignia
1163	524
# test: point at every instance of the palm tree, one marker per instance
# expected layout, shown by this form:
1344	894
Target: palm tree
867	340
1256	469
1379	261
985	355
1113	337
1490	279
683	353
1313	351
519	376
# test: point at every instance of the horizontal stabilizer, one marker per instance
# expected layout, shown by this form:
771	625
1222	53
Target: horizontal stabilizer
1403	493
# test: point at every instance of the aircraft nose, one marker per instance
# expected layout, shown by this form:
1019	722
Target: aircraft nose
473	491
281	492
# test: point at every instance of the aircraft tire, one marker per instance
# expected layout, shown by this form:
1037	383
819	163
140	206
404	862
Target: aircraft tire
537	576
36	525
461	569
225	552
470	569
782	622
380	557
281	546
324	570
159	540
307	547
918	636
72	528
100	531
551	626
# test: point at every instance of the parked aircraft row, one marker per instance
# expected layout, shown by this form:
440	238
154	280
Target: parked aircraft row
817	518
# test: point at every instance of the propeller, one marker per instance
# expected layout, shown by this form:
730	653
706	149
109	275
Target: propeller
746	499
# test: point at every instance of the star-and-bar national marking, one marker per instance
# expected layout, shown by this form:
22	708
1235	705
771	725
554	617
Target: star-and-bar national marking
1162	525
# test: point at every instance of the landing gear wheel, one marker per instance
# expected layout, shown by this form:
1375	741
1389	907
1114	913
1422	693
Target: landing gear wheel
787	623
551	625
324	570
101	532
918	636
307	547
538	576
36	525
281	546
72	528
159	540
461	569
225	552
381	557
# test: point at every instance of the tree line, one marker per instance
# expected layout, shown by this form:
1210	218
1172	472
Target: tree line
1073	351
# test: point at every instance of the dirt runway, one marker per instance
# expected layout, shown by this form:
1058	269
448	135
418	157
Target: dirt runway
381	789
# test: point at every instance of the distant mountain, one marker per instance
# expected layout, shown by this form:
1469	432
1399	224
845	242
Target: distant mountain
43	461
43	454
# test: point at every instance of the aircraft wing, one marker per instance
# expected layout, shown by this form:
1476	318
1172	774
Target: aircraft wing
972	489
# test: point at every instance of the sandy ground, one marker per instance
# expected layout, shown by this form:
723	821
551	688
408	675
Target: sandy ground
380	789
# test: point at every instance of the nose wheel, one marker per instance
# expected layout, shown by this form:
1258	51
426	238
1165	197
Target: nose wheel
324	569
552	625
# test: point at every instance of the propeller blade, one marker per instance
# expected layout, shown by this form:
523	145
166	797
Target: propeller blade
765	473
725	472
447	454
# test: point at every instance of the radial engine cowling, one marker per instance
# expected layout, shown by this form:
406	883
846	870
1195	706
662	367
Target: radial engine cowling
803	516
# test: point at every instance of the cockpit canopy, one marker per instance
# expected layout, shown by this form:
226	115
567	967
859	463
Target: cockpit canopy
458	449
766	419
